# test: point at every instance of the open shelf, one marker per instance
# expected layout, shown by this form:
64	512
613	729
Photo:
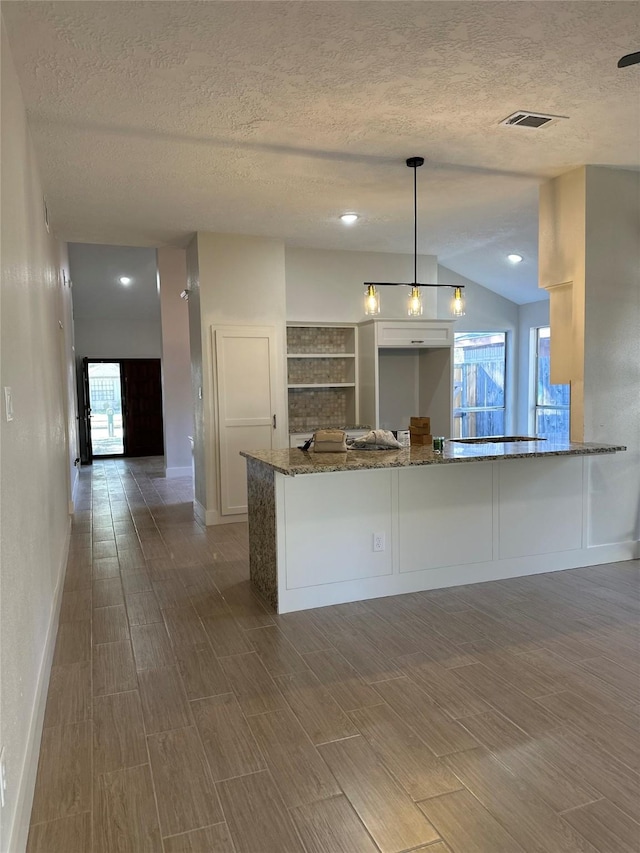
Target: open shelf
322	374
325	385
321	355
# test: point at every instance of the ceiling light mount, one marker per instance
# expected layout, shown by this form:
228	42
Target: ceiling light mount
349	218
414	308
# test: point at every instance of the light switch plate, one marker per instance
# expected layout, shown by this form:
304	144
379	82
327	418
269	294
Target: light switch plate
8	403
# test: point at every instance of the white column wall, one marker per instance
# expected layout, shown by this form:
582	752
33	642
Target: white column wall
177	399
590	237
240	282
612	348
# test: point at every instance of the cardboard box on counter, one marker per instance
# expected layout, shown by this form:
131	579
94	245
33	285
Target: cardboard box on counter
423	423
417	436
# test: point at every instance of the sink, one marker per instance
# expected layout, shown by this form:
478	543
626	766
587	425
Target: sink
497	439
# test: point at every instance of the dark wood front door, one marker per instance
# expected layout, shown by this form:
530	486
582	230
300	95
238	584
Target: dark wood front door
142	398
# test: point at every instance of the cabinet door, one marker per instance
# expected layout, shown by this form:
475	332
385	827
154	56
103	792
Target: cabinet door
434	333
245	383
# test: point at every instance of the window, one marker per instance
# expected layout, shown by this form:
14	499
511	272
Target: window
479	364
551	410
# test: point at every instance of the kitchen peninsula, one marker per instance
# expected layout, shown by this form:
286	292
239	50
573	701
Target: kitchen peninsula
331	528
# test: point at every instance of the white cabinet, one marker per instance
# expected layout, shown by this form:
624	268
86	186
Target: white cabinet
405	369
245	371
414	333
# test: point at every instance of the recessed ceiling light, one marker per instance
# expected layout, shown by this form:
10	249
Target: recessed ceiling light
349	218
124	279
515	259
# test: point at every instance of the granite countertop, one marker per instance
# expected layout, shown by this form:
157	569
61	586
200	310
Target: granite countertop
293	461
328	426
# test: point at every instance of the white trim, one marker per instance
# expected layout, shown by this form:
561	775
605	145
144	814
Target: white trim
74	489
170	473
211	517
19	832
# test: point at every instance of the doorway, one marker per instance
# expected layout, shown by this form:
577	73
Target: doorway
122	408
105	402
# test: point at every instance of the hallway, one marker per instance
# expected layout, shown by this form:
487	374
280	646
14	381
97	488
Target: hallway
183	716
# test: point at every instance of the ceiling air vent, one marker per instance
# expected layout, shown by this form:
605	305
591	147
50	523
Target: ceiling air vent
527	119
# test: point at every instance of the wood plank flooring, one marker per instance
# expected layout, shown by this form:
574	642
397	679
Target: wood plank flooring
184	717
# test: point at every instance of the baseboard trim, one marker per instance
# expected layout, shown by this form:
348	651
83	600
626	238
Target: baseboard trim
211	517
170	473
74	489
19	832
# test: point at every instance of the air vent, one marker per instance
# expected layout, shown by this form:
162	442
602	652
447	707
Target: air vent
526	119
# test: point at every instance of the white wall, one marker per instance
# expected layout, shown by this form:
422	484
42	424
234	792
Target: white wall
34	481
176	366
590	237
530	316
241	282
122	338
612	348
197	380
485	311
68	362
327	286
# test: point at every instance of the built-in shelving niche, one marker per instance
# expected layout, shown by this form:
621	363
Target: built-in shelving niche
321	376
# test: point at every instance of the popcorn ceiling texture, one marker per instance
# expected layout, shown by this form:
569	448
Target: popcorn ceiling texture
156	119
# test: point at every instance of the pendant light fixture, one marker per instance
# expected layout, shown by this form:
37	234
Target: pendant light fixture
414	307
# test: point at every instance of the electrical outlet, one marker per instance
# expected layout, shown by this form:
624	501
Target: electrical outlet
3	779
378	541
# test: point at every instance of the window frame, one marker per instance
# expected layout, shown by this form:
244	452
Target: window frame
458	411
536	407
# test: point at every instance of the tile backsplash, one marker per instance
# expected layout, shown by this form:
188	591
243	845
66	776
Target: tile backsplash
319	339
309	409
307	371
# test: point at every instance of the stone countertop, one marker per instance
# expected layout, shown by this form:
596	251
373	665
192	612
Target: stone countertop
293	461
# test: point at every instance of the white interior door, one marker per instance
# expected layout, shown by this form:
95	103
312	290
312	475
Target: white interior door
245	381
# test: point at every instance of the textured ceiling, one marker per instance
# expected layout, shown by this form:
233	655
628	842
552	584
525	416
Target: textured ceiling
156	119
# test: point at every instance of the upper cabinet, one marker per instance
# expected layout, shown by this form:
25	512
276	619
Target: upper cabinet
414	333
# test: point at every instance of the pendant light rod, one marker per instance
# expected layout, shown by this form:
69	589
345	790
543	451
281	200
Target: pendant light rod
414	163
372	298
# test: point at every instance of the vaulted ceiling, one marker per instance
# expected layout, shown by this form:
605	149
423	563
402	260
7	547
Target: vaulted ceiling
156	119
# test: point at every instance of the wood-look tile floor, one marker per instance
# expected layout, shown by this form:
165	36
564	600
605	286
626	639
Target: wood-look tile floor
183	716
